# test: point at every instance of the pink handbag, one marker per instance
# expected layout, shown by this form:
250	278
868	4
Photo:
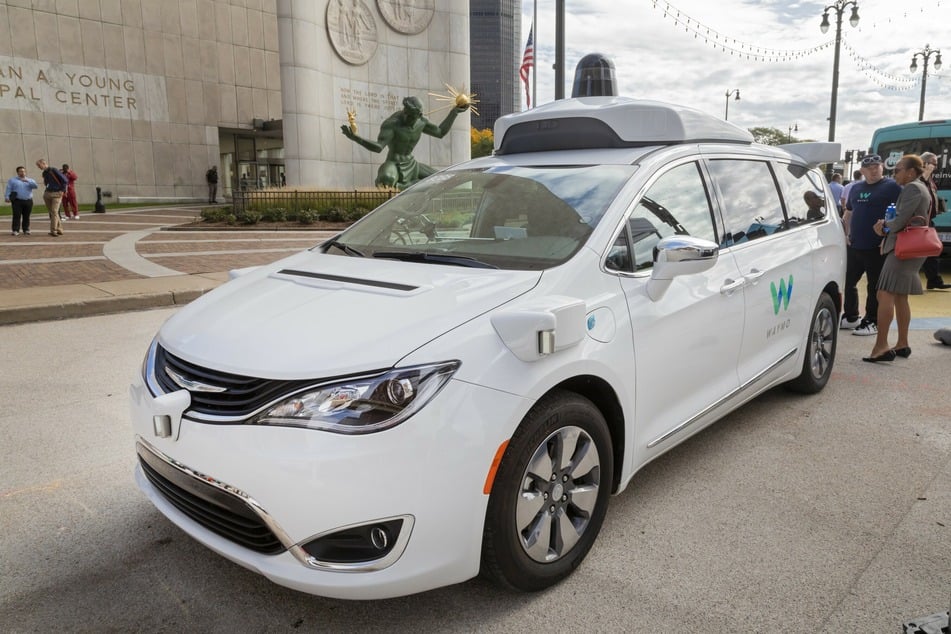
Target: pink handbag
917	241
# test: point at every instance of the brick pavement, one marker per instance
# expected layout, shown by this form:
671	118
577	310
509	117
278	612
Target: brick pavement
44	277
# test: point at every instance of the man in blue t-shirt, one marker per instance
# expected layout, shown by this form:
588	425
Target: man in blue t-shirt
865	206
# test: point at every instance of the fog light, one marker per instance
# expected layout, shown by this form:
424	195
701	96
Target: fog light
356	544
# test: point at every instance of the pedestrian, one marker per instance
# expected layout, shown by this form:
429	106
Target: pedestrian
899	278
19	194
836	187
856	177
866	205
70	204
931	266
211	176
53	194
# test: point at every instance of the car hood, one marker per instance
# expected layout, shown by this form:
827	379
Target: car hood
316	315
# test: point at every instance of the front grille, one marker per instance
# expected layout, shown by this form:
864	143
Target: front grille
217	510
243	395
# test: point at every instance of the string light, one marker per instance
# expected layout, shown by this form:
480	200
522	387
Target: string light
737	48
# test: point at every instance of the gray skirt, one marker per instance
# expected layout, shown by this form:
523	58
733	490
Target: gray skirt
900	277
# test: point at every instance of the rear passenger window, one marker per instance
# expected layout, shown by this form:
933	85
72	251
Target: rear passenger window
676	204
752	203
805	194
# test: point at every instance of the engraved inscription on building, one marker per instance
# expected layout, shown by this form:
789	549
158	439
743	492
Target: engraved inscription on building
352	30
27	84
407	16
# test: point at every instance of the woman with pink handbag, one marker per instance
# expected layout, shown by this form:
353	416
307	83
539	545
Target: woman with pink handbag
899	278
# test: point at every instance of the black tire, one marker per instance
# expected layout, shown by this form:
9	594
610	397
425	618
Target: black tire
820	348
523	504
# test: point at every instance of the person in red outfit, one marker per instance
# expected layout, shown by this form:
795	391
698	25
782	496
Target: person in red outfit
70	205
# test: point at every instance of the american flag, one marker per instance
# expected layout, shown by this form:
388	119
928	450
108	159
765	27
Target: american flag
528	60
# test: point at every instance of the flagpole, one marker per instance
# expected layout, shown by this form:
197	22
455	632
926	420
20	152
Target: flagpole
535	65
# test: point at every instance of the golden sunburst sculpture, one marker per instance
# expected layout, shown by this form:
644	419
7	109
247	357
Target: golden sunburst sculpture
352	119
456	99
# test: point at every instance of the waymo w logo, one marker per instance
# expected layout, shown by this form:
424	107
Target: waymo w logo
781	295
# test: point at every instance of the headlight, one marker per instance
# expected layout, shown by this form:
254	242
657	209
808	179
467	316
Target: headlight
363	405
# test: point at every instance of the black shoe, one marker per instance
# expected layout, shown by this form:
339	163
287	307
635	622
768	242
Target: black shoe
888	355
904	353
937	285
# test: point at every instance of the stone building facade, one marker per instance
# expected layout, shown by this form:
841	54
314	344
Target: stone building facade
135	95
141	97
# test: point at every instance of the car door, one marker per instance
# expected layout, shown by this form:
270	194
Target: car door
773	253
686	344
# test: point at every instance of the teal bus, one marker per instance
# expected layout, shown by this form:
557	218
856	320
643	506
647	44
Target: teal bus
893	141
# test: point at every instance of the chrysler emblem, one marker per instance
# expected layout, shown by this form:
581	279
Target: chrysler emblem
192	386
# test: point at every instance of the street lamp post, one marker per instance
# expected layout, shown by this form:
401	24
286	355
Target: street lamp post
789	130
926	54
730	93
839	7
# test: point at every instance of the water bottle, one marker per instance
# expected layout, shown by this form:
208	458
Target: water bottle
890	212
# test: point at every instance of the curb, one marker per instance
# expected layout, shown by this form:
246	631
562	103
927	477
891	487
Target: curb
99	306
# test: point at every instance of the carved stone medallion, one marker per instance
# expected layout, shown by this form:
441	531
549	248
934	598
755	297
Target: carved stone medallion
352	30
407	16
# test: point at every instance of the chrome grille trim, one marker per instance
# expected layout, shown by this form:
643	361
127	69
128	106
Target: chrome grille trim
200	480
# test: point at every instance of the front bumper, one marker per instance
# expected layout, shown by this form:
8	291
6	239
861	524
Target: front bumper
302	483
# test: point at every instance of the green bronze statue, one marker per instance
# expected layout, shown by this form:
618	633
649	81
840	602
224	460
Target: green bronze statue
399	134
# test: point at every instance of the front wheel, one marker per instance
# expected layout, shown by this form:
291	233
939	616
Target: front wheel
550	494
820	348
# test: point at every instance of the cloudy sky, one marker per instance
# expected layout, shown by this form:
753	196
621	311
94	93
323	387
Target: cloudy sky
787	80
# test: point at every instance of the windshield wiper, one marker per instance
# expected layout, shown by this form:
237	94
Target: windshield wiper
346	248
437	258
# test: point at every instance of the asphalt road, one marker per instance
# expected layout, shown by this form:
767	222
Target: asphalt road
829	513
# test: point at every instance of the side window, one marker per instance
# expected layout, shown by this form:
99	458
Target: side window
676	204
805	194
752	204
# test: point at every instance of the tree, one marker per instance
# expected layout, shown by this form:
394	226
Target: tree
772	136
482	142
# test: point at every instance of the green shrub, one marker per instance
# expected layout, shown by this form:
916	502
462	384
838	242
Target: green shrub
306	216
334	214
250	217
274	214
219	214
356	213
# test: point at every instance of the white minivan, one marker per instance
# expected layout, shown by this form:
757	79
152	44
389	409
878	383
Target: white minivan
459	382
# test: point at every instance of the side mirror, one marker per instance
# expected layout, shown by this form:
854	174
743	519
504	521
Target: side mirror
679	255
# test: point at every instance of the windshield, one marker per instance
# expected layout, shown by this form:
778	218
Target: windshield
504	217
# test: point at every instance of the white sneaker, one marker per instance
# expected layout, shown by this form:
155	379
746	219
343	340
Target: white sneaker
850	324
865	329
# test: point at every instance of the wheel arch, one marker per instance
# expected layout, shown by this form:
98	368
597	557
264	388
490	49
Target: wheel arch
604	397
836	294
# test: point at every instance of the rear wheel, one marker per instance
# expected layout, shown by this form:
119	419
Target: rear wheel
550	494
820	348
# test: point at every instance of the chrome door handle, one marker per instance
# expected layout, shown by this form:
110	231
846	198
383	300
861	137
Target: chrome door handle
732	285
753	276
